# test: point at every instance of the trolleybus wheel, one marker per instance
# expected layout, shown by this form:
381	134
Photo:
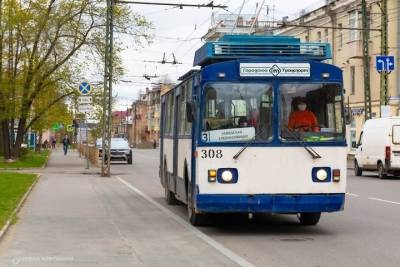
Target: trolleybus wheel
381	171
169	196
195	218
309	218
357	169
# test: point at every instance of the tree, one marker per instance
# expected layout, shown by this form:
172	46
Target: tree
42	43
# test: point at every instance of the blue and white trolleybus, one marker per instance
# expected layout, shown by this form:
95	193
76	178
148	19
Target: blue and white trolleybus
259	128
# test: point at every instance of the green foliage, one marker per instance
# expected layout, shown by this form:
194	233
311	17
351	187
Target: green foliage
43	46
13	186
30	159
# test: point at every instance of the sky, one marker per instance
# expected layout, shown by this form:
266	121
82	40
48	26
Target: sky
179	31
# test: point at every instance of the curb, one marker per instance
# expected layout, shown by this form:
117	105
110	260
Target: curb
7	226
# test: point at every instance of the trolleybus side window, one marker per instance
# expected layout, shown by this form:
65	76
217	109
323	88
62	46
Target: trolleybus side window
170	115
311	112
234	112
186	96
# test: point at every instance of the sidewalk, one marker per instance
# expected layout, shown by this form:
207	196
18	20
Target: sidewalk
73	217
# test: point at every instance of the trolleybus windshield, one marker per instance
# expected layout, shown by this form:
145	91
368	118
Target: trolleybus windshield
311	112
237	112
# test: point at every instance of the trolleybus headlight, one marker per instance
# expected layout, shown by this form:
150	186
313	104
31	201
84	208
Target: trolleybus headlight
227	176
322	174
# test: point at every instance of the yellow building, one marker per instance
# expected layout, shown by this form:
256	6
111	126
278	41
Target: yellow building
347	50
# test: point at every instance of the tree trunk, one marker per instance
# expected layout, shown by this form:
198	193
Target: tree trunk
5	132
39	144
20	137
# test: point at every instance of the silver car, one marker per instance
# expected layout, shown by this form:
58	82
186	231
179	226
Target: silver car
120	150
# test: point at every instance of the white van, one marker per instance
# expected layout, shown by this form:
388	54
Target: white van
378	148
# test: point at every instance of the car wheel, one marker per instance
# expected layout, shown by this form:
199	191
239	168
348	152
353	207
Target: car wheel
129	160
309	218
195	218
357	169
381	171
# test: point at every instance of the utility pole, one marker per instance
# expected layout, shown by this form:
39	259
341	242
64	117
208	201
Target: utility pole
107	93
366	61
384	52
108	72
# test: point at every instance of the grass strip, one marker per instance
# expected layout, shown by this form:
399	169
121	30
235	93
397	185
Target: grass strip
30	160
13	187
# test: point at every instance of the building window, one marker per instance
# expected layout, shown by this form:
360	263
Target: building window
353	23
326	35
319	36
340	36
353	80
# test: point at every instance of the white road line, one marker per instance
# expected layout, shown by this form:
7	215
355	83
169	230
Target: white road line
353	195
225	251
384	200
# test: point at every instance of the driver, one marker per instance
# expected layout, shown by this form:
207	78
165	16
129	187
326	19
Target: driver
302	119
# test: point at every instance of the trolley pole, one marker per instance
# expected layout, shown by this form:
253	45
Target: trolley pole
366	61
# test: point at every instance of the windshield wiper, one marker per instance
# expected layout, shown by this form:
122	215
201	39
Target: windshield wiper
309	149
247	144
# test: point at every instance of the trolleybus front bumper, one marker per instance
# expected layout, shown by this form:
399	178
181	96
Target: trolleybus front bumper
275	203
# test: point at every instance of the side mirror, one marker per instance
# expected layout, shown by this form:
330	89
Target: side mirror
190	111
354	144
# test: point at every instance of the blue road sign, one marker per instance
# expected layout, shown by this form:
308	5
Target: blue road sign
385	63
85	88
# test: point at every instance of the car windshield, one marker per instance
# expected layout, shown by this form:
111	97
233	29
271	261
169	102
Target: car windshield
237	112
311	112
119	143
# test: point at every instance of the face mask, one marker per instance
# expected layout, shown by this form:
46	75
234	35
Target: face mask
302	107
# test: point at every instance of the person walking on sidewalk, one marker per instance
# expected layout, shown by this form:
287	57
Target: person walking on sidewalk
66	144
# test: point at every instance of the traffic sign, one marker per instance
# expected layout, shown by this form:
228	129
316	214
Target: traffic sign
85	88
56	127
86	108
384	63
87	99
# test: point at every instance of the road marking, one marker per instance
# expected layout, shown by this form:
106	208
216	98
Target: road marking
353	195
384	200
225	251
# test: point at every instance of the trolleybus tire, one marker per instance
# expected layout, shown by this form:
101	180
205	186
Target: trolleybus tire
309	218
381	171
195	218
169	196
357	170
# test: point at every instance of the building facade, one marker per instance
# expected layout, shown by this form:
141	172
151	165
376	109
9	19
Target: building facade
334	23
146	118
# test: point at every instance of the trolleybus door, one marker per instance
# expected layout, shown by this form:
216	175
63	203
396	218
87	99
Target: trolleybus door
175	137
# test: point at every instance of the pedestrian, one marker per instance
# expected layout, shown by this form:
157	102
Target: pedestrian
154	144
53	142
65	143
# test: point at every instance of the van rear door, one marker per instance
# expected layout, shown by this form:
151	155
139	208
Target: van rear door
395	148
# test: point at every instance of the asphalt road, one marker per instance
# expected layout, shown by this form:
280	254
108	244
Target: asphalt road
366	233
73	217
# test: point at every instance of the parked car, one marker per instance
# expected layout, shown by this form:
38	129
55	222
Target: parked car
378	148
120	150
